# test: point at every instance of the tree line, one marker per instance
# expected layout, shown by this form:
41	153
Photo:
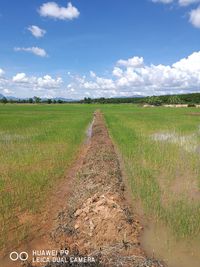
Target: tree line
31	100
189	99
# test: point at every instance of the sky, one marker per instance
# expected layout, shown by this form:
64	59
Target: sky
92	48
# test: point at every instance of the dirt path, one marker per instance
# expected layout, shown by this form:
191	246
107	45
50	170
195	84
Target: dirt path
95	221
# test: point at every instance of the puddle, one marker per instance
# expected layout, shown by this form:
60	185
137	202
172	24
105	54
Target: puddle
188	142
89	132
163	136
6	137
159	242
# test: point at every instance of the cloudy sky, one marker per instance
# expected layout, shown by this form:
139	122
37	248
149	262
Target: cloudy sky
96	48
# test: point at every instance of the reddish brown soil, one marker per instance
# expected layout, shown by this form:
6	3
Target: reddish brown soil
95	218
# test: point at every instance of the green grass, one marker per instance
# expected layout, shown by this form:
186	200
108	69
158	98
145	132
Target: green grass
37	144
163	175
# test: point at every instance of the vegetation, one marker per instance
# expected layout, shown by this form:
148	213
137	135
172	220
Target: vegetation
34	100
190	99
37	144
160	148
153	100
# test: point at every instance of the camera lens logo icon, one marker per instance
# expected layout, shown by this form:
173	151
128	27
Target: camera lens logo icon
23	256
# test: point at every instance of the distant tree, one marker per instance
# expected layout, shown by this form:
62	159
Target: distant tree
30	100
87	100
154	100
193	98
49	101
174	100
37	99
11	101
191	106
59	101
102	100
54	101
4	100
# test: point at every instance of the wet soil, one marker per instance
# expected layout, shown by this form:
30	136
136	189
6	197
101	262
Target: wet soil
159	240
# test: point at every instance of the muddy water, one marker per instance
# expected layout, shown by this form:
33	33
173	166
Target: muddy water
89	132
158	241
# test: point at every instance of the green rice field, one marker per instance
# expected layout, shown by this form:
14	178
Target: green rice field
160	149
37	144
161	152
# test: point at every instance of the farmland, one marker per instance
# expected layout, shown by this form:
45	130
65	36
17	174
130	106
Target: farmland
37	145
159	149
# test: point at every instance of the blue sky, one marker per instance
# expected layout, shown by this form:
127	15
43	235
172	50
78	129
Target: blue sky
73	49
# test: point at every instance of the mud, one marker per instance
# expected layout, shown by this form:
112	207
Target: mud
157	239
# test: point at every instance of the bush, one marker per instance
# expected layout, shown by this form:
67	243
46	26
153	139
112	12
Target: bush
191	106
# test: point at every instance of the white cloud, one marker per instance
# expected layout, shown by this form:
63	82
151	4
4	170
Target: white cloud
7	91
163	1
182	76
48	82
92	74
104	83
2	72
37	83
52	10
180	2
195	17
34	50
140	79
20	78
134	62
187	2
190	64
117	72
36	31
